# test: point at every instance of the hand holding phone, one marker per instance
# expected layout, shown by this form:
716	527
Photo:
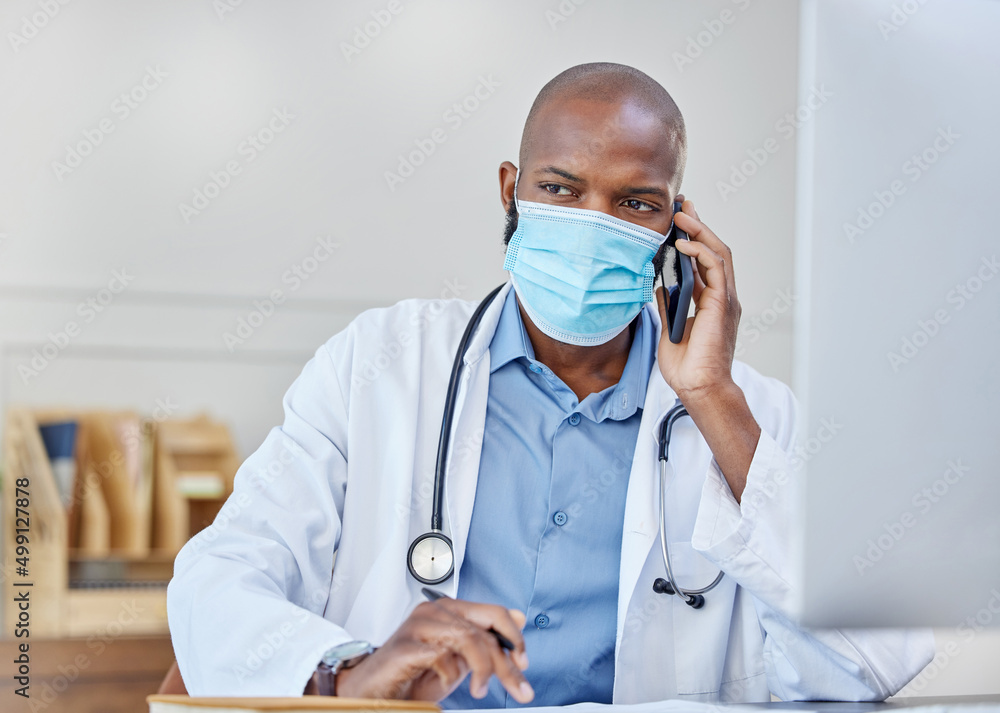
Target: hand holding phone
679	300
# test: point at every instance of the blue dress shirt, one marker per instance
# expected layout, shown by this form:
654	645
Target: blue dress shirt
546	528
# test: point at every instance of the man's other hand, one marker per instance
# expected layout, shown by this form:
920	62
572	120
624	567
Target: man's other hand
433	650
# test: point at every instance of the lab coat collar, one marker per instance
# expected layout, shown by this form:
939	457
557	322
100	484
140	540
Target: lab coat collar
480	343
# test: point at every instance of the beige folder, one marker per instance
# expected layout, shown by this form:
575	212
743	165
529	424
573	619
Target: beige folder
116	460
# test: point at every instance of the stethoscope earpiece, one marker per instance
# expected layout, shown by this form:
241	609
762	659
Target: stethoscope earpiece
662	586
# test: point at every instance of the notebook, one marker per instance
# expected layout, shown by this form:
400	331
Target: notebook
163	703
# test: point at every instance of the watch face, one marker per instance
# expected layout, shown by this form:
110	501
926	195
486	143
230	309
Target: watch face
345	652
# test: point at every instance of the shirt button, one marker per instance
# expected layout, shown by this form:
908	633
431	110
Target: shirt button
535	368
574	420
560	518
542	621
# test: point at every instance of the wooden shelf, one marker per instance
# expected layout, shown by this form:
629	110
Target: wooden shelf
109	675
110	553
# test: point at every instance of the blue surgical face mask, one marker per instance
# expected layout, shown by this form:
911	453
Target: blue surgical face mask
581	275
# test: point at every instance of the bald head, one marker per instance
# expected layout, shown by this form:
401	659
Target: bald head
612	84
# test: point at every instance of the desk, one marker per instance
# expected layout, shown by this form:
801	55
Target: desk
947	702
959	704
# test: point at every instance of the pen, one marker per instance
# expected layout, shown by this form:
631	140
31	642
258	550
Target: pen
504	642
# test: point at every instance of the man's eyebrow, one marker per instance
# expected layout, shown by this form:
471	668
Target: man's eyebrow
633	190
646	191
559	172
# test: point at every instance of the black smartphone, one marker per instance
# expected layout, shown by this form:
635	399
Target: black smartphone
680	293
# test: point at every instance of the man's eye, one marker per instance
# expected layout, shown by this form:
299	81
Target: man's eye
557	190
638	205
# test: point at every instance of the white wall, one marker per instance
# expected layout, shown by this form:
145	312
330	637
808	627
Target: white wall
435	234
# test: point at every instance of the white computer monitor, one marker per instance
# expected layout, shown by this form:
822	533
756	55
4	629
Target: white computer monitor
897	322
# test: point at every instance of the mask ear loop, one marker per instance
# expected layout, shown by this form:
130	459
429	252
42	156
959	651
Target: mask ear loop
517	177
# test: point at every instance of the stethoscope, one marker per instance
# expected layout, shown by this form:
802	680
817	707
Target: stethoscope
431	557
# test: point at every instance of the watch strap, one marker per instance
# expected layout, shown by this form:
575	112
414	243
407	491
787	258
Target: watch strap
325	675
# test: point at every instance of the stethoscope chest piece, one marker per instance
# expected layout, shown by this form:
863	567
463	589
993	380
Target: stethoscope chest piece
431	559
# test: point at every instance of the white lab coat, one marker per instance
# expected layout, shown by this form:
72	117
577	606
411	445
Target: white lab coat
256	599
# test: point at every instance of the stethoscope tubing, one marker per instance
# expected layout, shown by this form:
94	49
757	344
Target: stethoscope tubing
690	596
444	439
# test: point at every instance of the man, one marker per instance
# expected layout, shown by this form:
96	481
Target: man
551	497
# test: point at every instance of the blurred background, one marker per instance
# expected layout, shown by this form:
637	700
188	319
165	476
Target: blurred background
195	195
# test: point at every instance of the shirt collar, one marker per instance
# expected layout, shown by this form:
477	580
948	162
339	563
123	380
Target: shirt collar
510	342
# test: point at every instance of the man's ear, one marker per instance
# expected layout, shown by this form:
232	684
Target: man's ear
508	174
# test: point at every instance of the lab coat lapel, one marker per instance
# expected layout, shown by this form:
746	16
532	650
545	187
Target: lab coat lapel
642	502
462	473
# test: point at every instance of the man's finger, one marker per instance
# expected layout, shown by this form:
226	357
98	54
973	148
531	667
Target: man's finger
699	284
710	265
488	616
449	669
477	646
699	232
481	618
510	676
